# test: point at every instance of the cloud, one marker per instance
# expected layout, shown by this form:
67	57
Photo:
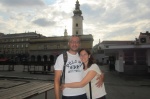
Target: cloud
15	3
44	22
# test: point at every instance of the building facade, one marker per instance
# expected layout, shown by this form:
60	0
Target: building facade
47	49
130	57
16	46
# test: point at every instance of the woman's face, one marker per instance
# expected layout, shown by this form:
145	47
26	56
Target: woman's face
84	56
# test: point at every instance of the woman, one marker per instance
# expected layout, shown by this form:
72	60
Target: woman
91	71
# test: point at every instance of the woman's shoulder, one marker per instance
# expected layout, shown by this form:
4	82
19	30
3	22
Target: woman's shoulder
94	66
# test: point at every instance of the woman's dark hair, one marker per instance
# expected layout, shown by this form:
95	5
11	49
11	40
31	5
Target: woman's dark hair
91	59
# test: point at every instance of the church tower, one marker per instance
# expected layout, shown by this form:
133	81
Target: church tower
65	32
77	20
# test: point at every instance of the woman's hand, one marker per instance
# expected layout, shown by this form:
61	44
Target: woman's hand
62	87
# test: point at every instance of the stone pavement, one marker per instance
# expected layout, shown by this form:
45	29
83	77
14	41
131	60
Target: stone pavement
21	88
118	86
28	84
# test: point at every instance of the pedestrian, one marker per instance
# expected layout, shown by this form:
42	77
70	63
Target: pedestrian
91	70
73	72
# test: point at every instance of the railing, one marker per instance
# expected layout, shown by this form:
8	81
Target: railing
7	65
38	67
29	66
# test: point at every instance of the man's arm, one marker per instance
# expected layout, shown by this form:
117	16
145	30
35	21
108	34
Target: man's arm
100	80
57	83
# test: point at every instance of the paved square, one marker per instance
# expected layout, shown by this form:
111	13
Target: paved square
5	83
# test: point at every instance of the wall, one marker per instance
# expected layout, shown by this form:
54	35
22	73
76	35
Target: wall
148	60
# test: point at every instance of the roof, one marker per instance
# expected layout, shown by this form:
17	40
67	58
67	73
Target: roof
118	42
146	33
28	34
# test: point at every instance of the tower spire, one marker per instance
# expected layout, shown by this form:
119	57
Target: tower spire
65	32
77	10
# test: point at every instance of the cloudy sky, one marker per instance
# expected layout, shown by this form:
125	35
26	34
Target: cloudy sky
104	19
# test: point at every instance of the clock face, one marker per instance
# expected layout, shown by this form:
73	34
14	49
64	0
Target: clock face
143	40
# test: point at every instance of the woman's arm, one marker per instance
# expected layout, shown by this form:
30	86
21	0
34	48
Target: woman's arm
90	75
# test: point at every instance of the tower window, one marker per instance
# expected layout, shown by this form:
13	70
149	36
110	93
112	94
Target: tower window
143	40
76	32
76	24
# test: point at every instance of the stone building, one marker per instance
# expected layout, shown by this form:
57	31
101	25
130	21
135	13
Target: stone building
16	46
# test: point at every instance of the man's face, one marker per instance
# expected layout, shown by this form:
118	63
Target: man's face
74	43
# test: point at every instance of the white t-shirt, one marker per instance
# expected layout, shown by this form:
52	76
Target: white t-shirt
73	73
97	92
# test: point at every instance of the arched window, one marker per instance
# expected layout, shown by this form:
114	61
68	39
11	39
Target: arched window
45	58
32	58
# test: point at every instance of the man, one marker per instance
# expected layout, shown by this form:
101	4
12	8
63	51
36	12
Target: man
73	72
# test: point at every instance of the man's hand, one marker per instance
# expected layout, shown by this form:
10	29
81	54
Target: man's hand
100	79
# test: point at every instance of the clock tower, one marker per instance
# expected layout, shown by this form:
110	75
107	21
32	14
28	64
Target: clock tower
77	20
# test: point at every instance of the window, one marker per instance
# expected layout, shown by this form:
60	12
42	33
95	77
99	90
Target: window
21	51
76	32
17	46
22	45
8	51
12	52
76	24
26	45
8	46
143	40
17	52
107	46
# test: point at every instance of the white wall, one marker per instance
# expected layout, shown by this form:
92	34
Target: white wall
119	66
148	57
148	60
